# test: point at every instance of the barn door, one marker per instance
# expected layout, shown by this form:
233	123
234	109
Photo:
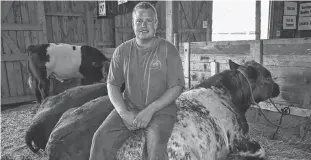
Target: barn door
191	17
23	24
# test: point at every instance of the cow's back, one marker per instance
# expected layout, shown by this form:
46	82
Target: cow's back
65	60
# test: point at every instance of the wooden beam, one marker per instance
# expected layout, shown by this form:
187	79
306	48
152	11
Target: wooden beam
180	31
301	112
258	20
104	43
78	43
5	9
7	39
64	14
13	57
17	99
42	20
20	27
171	19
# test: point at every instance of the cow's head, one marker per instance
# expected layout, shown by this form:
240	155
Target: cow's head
104	67
258	77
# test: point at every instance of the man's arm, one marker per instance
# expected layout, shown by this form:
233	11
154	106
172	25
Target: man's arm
175	80
167	98
116	99
115	79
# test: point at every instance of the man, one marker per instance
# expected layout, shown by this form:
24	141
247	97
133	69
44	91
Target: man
152	71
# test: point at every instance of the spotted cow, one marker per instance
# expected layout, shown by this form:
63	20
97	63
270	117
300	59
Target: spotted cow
211	119
62	62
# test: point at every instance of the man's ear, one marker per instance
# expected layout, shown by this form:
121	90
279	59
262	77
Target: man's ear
233	65
156	23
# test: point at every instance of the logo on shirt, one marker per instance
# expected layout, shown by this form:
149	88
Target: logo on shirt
155	64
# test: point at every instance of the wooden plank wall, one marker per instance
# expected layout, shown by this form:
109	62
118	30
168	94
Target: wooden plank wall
66	21
203	53
191	15
104	30
19	29
289	60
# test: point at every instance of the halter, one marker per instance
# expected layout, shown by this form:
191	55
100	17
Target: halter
250	87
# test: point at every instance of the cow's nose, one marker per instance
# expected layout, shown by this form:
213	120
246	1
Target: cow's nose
276	90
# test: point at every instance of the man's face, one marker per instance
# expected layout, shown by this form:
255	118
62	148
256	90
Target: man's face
144	23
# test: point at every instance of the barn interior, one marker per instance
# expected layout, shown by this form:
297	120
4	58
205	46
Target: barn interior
283	125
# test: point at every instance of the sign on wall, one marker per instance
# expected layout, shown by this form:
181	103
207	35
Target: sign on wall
304	23
121	1
290	8
102	8
289	22
305	9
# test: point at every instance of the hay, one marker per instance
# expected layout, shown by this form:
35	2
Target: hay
14	123
284	147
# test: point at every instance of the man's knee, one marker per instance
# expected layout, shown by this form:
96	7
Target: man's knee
157	152
158	135
100	136
103	143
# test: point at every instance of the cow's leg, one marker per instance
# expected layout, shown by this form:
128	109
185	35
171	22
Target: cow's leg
82	81
38	95
248	148
35	90
158	133
87	81
109	137
46	88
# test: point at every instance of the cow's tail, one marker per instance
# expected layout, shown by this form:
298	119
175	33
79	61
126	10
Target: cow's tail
29	138
30	76
250	149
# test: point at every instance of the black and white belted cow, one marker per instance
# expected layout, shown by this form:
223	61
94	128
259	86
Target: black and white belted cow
211	120
63	61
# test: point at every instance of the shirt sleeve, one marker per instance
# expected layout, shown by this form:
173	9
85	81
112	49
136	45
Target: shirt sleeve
175	73
115	74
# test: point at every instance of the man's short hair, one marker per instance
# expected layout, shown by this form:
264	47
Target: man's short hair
145	5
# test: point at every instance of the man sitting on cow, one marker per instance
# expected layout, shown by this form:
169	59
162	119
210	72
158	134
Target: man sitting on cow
152	71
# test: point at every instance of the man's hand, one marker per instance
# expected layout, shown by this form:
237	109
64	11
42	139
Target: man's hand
128	119
143	118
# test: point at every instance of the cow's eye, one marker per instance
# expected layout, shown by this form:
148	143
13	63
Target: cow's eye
268	78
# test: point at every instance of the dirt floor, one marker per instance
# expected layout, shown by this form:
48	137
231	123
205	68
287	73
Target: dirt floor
14	123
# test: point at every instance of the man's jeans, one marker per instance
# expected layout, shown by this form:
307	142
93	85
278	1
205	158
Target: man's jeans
112	133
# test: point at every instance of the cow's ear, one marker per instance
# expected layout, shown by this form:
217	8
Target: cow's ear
95	64
233	65
31	48
251	72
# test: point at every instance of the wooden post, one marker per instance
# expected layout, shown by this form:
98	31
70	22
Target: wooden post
214	67
171	19
261	52
209	30
176	42
41	20
89	25
187	62
258	20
